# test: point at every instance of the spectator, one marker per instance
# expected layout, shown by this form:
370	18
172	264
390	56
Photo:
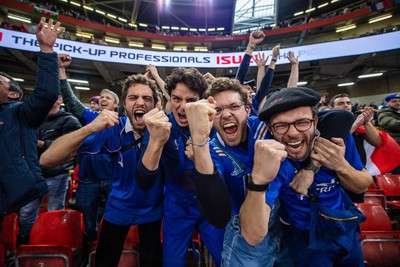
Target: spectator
128	204
362	130
56	124
166	147
231	154
95	171
389	116
94	103
21	180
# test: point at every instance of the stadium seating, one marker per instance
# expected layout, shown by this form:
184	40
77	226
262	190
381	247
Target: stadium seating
390	184
375	199
10	230
54	236
381	252
377	218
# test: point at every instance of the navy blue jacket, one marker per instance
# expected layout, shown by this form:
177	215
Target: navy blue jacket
21	180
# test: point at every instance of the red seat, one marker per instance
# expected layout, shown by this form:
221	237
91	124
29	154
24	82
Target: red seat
10	230
394	203
63	227
130	253
375	199
53	234
381	252
43	255
377	218
390	184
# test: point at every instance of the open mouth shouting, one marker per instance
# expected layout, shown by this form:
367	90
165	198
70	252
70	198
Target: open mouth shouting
230	130
181	118
103	104
138	116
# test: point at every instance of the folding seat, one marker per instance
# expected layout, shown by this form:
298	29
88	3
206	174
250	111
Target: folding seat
377	218
43	255
10	230
381	252
375	199
130	253
390	184
54	237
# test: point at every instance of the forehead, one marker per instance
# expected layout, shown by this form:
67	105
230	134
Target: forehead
182	90
227	97
393	100
140	89
106	94
292	115
342	99
4	81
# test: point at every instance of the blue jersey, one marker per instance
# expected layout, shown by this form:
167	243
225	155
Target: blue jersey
235	163
89	115
127	203
295	209
177	167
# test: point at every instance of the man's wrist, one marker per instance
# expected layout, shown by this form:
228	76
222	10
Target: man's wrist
252	46
254	186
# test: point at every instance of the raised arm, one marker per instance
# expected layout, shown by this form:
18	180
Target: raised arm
255	39
267	80
36	107
254	213
294	70
70	100
212	193
371	134
261	61
65	147
159	127
152	71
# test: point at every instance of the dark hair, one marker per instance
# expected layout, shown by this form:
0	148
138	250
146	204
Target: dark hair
138	79
191	77
14	86
226	84
332	102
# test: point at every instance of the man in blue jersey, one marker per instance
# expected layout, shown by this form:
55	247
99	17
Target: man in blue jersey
95	171
315	194
234	155
127	204
167	149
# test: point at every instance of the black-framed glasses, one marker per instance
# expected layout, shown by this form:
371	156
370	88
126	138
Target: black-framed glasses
232	108
301	125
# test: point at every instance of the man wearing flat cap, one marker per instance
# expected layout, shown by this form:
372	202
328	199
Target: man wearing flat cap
310	172
389	116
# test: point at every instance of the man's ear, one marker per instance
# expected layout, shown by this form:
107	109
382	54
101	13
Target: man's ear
13	95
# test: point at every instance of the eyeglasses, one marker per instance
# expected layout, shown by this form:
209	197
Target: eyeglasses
300	125
232	108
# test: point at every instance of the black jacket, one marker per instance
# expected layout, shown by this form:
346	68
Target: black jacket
54	126
21	180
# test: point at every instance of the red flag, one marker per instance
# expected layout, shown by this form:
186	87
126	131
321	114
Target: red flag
384	158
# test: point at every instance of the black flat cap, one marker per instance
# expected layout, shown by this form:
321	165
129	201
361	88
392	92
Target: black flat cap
287	99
